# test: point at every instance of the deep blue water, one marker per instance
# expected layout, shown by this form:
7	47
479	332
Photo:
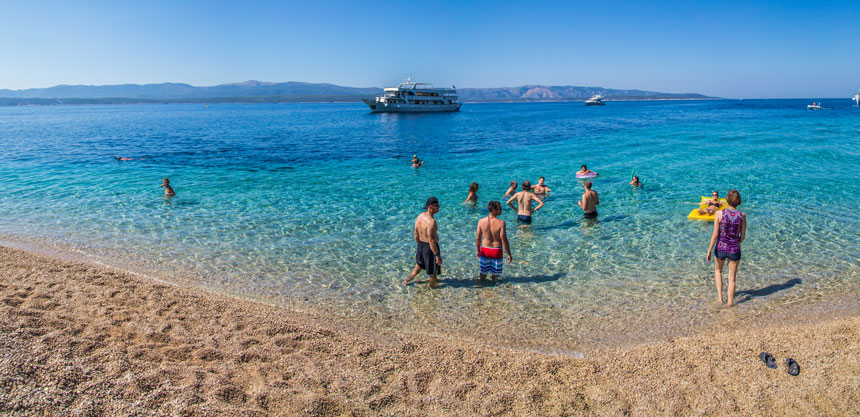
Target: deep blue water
311	206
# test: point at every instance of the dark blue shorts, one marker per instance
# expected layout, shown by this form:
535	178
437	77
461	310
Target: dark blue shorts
723	255
523	219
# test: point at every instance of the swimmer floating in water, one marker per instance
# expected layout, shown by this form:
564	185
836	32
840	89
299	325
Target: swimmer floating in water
541	189
168	190
123	158
714	204
416	162
635	182
473	194
583	171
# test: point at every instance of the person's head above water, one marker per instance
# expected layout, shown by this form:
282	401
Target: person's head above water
541	180
166	181
473	187
715	194
587	185
513	184
635	179
494	207
527	186
583	168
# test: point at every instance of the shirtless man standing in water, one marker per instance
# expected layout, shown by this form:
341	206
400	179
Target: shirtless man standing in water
490	240
541	189
524	200
589	201
428	256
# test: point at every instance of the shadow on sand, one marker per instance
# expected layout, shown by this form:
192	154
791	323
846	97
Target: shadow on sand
762	292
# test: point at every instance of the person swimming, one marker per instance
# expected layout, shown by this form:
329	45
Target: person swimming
583	171
416	162
473	194
541	189
714	204
118	158
635	182
168	190
511	190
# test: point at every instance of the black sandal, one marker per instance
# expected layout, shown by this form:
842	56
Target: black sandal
768	360
793	367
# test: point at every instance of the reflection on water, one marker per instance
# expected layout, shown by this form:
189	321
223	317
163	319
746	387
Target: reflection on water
312	207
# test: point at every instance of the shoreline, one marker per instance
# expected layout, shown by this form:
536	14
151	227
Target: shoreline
80	338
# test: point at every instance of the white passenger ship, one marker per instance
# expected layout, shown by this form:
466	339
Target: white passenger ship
414	97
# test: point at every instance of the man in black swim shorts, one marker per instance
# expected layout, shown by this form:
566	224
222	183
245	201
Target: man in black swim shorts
427	256
524	201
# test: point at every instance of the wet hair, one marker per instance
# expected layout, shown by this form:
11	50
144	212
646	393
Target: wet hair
473	187
166	181
493	206
527	186
636	178
514	183
583	166
541	178
733	197
587	184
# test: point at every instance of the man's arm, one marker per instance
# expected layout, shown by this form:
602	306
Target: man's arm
434	242
596	199
505	244
478	236
514	197
540	202
581	202
415	232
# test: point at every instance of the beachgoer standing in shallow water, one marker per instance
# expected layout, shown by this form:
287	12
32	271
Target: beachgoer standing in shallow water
511	190
168	190
730	229
427	257
541	189
589	201
416	162
491	239
473	194
524	201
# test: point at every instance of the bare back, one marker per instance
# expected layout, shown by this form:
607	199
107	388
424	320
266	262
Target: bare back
524	202
491	230
589	201
425	229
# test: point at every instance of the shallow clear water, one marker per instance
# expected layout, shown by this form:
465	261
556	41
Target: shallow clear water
311	206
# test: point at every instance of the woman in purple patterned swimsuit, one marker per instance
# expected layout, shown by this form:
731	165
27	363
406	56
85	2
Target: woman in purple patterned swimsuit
730	228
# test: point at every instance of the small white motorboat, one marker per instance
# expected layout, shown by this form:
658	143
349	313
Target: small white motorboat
814	106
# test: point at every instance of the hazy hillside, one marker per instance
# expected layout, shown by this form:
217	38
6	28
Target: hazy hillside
258	91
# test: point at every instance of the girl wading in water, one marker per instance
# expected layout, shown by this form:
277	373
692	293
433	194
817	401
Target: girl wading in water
730	228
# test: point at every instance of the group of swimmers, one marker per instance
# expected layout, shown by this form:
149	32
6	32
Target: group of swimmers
491	240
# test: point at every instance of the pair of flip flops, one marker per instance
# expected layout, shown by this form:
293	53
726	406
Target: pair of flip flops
791	365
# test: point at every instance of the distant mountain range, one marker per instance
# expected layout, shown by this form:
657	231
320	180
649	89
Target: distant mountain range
258	91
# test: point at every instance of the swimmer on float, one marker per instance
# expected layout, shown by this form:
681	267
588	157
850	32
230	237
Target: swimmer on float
584	172
714	204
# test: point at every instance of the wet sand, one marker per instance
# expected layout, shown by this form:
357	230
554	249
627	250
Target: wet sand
80	339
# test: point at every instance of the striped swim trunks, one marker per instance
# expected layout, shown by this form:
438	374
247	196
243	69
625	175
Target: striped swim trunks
491	261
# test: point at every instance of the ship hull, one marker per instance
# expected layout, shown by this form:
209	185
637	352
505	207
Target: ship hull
377	107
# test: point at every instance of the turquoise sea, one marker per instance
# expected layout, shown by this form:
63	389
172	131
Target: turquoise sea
311	206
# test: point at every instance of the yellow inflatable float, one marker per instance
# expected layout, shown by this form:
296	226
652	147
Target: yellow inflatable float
694	215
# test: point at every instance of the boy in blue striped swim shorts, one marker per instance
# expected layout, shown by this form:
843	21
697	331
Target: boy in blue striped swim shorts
491	239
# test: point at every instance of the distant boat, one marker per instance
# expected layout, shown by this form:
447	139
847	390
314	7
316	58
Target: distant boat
814	106
595	101
856	98
414	97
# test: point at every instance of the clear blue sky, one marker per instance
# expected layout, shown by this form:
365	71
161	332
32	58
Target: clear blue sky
720	48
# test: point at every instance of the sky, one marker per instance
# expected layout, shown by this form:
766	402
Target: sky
733	49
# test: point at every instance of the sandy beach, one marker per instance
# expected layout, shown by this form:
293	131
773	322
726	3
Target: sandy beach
79	339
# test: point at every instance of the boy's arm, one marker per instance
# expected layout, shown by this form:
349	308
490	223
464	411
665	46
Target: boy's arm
505	244
509	202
